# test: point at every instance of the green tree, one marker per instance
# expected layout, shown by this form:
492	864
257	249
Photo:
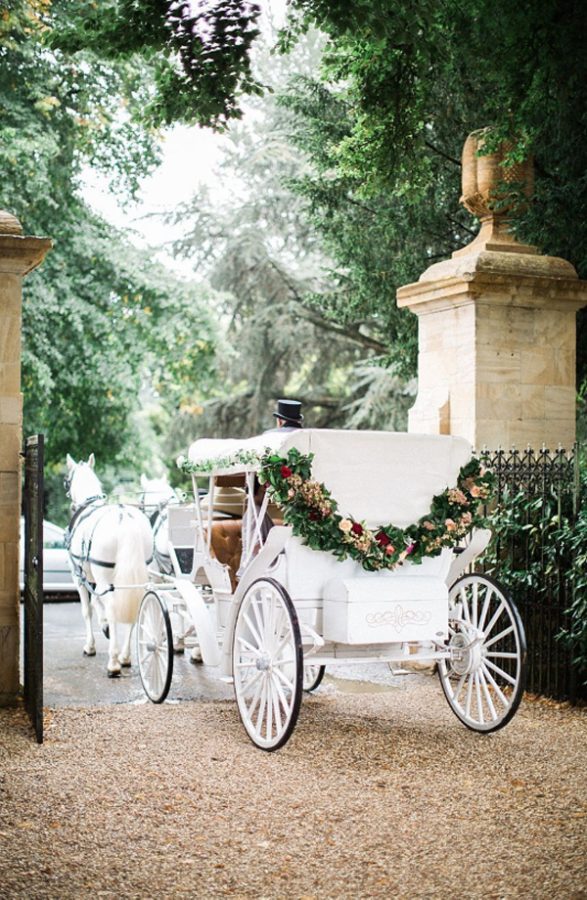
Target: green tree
102	323
417	78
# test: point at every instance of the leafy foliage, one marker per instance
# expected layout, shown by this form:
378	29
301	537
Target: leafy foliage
538	548
411	81
200	54
104	327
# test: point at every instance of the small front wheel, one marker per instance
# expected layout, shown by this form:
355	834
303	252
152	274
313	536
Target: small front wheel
154	647
483	679
268	664
313	676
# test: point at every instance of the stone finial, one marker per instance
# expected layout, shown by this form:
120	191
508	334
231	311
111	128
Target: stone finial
9	224
484	180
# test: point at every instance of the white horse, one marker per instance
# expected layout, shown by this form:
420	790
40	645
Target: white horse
157	494
110	547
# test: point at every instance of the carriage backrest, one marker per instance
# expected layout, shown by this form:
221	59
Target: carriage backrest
382	477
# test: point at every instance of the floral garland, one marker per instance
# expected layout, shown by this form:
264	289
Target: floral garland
313	513
207	466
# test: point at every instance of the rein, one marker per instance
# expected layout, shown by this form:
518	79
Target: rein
84	511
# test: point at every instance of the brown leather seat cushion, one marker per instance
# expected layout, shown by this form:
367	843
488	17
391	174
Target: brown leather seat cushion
227	545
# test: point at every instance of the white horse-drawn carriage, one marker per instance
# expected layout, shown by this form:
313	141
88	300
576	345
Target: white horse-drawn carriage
365	562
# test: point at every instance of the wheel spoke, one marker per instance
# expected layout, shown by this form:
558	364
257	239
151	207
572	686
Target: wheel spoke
469	696
499	671
478	696
276	710
497	637
254	632
256	695
269	732
495	617
286	681
262	705
459	687
282	697
488	595
502	697
481	677
249	647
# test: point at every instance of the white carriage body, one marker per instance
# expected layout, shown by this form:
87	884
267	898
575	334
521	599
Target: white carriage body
345	612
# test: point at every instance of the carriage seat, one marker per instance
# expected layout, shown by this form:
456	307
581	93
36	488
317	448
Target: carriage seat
226	544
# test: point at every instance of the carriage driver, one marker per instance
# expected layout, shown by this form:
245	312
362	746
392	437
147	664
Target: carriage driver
289	418
289	415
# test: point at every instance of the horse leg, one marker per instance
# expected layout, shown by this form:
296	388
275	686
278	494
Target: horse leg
113	651
124	656
90	644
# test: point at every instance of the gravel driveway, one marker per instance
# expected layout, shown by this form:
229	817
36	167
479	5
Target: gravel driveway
380	793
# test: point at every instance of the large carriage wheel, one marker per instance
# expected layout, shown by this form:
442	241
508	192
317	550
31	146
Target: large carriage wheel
268	664
484	679
154	647
313	676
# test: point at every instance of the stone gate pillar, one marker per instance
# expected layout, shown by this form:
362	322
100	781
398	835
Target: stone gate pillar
18	255
496	327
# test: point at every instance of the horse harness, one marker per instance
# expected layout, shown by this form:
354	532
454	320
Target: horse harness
84	511
157	519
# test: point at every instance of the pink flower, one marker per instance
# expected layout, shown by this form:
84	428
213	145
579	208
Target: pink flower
466	518
286	472
390	550
410	549
475	491
450	524
429	526
345	525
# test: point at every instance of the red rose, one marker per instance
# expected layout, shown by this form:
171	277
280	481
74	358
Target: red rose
356	528
382	539
286	472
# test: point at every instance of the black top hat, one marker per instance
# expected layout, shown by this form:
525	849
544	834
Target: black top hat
290	411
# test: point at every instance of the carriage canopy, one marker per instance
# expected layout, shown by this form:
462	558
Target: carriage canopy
376	476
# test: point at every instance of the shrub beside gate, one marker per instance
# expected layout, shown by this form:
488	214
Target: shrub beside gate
539	549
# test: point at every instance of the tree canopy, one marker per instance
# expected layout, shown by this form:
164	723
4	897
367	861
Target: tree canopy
104	326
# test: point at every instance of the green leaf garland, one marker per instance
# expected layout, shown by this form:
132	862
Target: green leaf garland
312	512
313	515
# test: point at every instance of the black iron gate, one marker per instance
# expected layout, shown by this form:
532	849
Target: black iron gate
33	581
537	490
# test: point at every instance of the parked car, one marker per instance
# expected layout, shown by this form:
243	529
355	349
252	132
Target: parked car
56	572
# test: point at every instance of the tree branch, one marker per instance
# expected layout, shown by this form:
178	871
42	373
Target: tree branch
352	334
444	155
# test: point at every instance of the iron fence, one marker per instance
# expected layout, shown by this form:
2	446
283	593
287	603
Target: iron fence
536	490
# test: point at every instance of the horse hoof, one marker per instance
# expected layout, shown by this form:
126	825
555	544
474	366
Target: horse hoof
106	630
115	674
179	651
89	652
125	665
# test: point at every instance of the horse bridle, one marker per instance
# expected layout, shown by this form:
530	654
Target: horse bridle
79	506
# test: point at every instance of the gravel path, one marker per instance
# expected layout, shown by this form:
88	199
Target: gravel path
381	793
